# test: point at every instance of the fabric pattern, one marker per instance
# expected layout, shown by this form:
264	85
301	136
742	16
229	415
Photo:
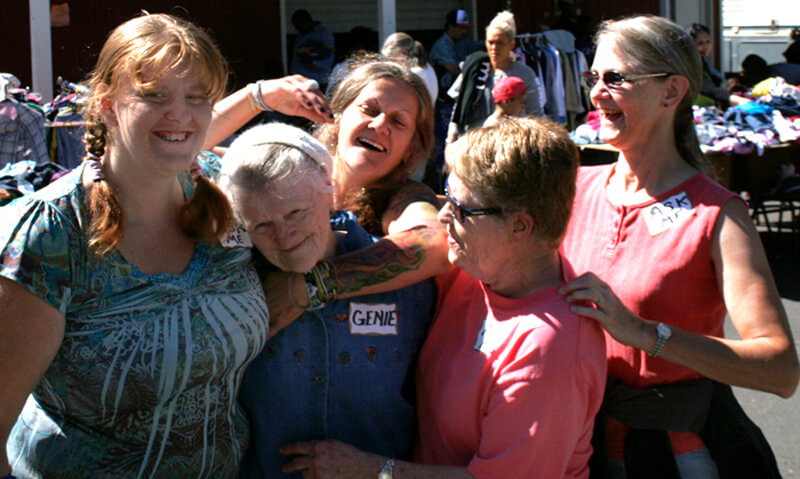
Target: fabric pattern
145	381
21	134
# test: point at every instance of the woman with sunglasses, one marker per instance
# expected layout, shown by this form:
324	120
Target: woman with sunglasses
667	252
509	380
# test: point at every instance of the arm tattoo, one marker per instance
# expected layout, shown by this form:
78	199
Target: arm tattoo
384	260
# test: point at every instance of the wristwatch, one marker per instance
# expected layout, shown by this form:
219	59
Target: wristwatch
387	471
663	333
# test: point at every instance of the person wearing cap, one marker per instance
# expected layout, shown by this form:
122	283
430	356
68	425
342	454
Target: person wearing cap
451	48
472	90
509	96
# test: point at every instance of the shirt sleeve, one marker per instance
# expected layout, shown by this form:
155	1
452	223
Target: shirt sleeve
532	105
532	429
37	249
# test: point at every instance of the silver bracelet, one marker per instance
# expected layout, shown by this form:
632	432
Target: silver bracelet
255	96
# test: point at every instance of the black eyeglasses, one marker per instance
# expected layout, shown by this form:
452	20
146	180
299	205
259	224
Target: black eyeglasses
459	212
616	79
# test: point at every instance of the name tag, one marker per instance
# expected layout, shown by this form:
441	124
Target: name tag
236	237
665	214
479	339
374	319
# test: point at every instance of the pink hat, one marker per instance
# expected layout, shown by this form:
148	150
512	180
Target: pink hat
508	88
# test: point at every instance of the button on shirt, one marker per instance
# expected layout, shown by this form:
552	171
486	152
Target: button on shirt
339	373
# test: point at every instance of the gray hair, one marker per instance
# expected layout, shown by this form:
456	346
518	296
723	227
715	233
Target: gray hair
504	21
270	153
402	46
651	44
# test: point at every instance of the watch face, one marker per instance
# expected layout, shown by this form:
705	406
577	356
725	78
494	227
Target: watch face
664	330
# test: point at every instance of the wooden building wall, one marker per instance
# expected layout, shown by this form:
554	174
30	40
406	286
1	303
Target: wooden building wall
247	32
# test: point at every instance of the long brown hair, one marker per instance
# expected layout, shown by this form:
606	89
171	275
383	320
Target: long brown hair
166	45
369	203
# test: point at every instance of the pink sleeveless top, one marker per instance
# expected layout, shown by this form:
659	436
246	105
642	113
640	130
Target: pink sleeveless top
656	256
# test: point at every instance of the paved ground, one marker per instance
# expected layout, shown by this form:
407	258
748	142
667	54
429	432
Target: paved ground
779	418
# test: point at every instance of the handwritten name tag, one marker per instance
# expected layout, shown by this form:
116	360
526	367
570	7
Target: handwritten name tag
236	237
665	214
376	319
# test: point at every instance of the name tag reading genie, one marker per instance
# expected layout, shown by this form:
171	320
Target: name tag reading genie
665	214
379	318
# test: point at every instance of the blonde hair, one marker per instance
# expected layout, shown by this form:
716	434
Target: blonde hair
504	21
163	45
521	164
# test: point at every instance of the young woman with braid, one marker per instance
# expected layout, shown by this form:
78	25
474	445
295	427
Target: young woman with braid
125	326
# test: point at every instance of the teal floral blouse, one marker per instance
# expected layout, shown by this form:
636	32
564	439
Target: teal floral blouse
146	378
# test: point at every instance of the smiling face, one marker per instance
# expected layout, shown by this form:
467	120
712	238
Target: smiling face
499	47
631	111
375	132
288	222
161	125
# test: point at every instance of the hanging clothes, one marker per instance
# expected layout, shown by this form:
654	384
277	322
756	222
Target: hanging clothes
21	134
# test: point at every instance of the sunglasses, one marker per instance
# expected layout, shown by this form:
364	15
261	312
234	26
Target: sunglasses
615	79
459	212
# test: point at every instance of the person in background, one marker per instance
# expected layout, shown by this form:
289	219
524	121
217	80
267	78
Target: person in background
451	48
790	69
446	56
792	52
711	91
126	327
348	360
473	87
313	53
360	41
401	46
504	351
509	96
664	253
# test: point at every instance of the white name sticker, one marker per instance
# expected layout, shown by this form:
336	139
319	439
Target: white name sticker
236	237
376	319
665	214
479	339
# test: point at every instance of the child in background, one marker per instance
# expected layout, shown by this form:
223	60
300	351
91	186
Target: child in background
509	95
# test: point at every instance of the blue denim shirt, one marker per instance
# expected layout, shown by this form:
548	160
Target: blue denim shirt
341	372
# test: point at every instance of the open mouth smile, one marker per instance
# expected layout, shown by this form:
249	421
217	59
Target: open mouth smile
173	136
371	145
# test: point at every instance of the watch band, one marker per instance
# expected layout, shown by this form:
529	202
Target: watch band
387	472
663	333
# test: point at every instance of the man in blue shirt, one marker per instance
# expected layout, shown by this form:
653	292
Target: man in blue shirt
451	48
313	52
